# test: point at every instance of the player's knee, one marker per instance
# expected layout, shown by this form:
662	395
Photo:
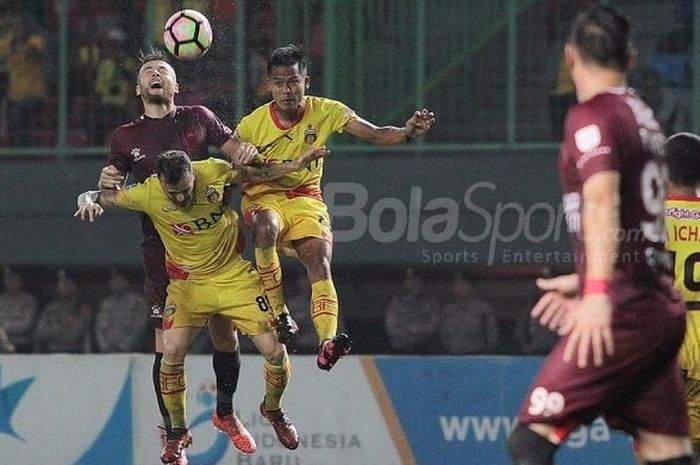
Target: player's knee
529	448
276	354
265	228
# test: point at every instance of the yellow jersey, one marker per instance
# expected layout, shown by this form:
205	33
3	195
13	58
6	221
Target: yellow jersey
276	144
683	230
201	239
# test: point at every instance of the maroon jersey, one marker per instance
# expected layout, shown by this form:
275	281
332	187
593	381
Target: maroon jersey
616	131
639	386
135	147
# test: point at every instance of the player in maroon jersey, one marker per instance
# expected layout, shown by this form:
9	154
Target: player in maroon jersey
134	150
621	334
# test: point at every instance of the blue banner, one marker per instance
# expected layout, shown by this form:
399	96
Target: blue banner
461	410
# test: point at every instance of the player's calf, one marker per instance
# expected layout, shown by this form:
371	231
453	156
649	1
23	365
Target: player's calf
529	448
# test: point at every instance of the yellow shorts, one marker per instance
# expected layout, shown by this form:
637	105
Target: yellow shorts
299	217
692	396
236	293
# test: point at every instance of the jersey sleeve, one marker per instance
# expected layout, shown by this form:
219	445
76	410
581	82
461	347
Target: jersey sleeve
339	114
217	131
118	156
134	197
244	130
591	142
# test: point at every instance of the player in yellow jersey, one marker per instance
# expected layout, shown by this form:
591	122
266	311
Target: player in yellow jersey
185	201
288	213
683	229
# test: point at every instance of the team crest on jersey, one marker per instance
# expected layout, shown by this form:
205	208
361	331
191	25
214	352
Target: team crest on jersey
211	194
182	229
310	135
136	154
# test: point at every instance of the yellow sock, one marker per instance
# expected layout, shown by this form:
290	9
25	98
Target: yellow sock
270	271
276	380
173	387
324	308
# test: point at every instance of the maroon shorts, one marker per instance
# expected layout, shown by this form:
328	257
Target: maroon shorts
156	281
639	387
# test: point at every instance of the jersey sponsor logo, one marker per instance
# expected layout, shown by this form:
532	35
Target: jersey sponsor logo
186	229
310	135
605	150
587	138
136	154
683	213
182	229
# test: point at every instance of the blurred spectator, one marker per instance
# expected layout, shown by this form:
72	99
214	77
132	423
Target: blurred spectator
113	84
560	14
468	324
27	80
6	36
298	297
18	311
532	337
669	109
121	322
64	324
5	344
412	318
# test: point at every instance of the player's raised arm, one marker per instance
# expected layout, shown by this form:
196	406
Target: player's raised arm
91	204
257	175
416	126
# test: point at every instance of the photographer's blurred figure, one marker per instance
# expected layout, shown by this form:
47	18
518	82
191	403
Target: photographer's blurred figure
468	324
64	323
121	321
412	318
18	311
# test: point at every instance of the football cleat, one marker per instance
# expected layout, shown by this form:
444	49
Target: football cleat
284	429
331	350
287	329
239	435
174	450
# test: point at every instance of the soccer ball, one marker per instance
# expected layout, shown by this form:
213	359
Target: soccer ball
187	35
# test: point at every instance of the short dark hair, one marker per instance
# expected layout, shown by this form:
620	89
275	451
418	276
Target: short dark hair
602	35
287	56
683	159
172	166
153	54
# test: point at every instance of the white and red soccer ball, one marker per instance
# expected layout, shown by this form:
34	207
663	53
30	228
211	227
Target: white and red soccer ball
187	35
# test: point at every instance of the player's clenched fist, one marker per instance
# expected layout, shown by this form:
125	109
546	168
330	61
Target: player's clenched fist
111	178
